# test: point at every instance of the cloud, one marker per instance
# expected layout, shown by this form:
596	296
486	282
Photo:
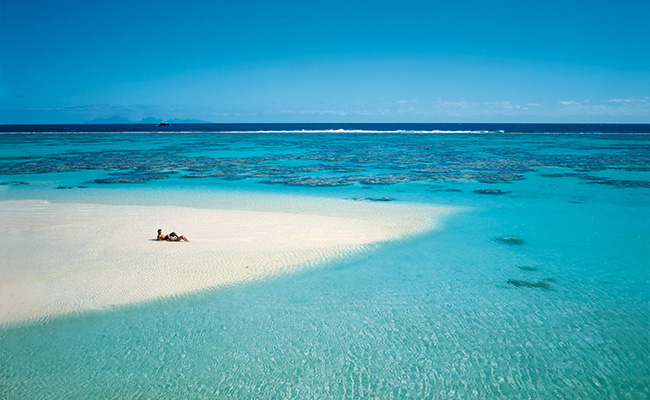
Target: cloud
451	104
630	101
308	112
615	109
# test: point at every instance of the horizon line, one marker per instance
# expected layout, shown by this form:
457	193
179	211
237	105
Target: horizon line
332	123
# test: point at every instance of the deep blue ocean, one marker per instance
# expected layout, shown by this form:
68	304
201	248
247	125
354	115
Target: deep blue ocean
538	289
325	127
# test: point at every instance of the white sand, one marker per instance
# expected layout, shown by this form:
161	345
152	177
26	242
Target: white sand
66	258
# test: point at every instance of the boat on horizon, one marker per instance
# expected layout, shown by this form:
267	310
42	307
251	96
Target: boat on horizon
164	123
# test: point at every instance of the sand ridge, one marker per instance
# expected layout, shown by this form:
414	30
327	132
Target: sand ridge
60	258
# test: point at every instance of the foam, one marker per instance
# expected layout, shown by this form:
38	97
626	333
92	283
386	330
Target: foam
60	258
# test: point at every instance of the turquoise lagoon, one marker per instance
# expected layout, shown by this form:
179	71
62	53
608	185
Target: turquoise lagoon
537	288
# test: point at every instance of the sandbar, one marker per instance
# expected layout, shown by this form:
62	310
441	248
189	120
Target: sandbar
62	258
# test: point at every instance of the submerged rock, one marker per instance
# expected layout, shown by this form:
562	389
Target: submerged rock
527	268
529	284
511	240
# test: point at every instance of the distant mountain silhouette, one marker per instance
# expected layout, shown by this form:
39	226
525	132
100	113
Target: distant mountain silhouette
149	120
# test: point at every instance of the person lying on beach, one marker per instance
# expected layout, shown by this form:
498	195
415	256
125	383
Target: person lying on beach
172	237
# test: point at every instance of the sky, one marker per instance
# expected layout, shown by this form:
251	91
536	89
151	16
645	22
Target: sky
71	61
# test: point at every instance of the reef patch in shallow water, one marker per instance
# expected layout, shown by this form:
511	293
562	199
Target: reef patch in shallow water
381	199
208	175
529	284
510	240
63	187
345	162
621	183
374	199
495	192
310	181
13	183
130	178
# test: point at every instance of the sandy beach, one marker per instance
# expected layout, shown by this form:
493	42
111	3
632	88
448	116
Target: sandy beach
61	258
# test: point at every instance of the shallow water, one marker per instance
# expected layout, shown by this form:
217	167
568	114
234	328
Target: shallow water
462	312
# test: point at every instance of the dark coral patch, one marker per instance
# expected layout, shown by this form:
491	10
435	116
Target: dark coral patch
310	181
620	183
207	175
375	199
496	192
529	284
397	159
14	183
380	199
71	187
131	178
510	240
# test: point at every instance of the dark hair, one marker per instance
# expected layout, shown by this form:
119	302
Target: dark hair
159	230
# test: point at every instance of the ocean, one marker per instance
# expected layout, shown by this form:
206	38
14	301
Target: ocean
537	288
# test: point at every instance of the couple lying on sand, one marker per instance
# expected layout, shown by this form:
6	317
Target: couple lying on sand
172	237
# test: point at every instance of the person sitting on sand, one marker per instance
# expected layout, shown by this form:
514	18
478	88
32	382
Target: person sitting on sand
161	237
172	237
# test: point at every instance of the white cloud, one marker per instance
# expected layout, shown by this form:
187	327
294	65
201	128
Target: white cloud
447	104
620	100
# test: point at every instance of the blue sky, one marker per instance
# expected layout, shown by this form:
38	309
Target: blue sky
336	61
